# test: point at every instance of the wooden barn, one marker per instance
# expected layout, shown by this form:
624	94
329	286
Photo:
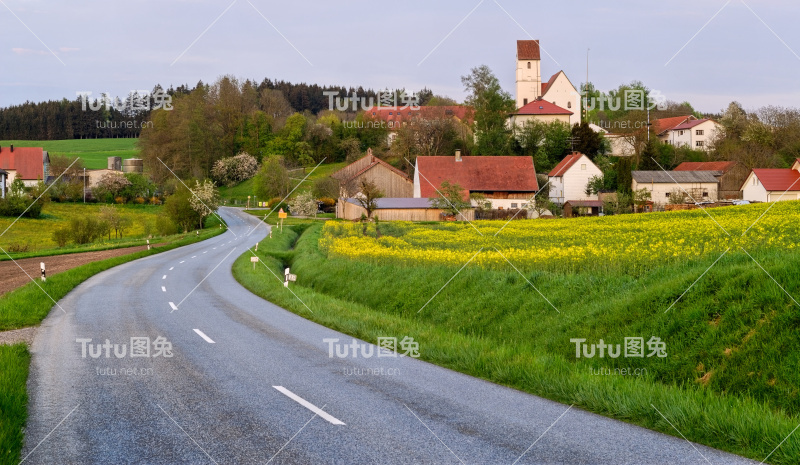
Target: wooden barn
731	175
391	181
397	209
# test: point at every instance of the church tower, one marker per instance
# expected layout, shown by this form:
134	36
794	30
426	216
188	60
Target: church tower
529	72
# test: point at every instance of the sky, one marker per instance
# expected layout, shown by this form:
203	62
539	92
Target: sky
707	52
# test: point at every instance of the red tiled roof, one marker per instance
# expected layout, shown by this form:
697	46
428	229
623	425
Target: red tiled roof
27	161
528	50
542	107
705	166
664	124
691	124
565	164
399	114
477	174
549	83
780	180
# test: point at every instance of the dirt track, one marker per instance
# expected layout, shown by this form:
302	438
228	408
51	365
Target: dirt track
11	277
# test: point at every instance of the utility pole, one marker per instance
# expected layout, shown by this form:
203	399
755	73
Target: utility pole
84	185
586	90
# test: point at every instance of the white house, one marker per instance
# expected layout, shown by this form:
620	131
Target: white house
701	186
558	90
620	145
770	185
687	131
569	178
538	110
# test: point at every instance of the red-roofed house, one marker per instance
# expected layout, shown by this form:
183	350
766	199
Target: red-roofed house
568	180
731	175
26	163
539	110
558	90
396	117
689	131
508	182
771	185
391	181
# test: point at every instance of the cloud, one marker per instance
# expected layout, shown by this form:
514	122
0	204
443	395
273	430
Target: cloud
28	51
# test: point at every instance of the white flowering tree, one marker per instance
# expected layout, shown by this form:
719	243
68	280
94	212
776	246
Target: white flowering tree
304	205
233	170
204	199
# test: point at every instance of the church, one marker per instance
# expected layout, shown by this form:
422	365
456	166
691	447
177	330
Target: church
554	100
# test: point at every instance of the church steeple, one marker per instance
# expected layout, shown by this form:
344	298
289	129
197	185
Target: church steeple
529	72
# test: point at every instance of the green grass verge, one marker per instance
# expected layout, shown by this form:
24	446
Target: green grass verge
506	333
28	305
14	363
239	192
93	152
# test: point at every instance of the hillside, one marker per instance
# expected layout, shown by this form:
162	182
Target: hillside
93	152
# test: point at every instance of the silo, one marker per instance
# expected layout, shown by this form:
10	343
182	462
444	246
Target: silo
115	163
133	165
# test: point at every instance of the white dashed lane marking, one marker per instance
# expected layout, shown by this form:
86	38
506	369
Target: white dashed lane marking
164	277
203	335
308	405
194	256
163	289
171	268
183	261
173	306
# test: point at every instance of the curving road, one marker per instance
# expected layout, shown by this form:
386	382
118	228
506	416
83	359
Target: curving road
248	382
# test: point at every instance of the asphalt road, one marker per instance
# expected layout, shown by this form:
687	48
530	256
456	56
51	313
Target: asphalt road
249	382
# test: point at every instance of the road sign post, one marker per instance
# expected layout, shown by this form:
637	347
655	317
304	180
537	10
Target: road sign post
254	260
282	214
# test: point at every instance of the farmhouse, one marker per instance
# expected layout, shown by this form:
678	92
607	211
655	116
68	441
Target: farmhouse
29	164
731	175
569	178
687	131
393	209
770	185
391	181
506	181
700	185
558	91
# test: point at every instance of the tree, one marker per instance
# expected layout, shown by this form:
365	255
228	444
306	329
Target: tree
540	205
327	187
233	170
641	197
450	199
272	179
205	199
492	106
368	196
587	141
648	160
303	205
179	209
110	186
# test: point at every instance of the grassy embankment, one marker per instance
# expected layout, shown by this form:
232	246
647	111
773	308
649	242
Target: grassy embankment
28	306
93	152
239	192
729	380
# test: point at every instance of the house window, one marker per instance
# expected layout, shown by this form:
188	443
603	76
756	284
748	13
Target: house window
569	104
680	133
529	65
699	143
524	101
373	113
699	132
390	113
583	166
705	194
514	205
668	194
755	181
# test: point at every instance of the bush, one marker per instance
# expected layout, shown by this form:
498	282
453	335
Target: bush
304	205
328	204
61	236
326	187
276	204
85	230
165	226
233	170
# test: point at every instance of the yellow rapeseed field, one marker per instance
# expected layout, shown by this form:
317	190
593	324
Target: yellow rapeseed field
611	242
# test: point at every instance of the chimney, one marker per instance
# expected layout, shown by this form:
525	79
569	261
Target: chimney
458	155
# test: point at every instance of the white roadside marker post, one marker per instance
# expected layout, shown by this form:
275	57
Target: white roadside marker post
148	244
44	272
256	246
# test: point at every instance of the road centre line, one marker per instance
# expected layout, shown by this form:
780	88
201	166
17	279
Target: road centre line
309	405
163	289
173	306
164	277
171	268
203	335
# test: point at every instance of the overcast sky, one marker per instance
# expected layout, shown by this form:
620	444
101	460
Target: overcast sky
747	52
